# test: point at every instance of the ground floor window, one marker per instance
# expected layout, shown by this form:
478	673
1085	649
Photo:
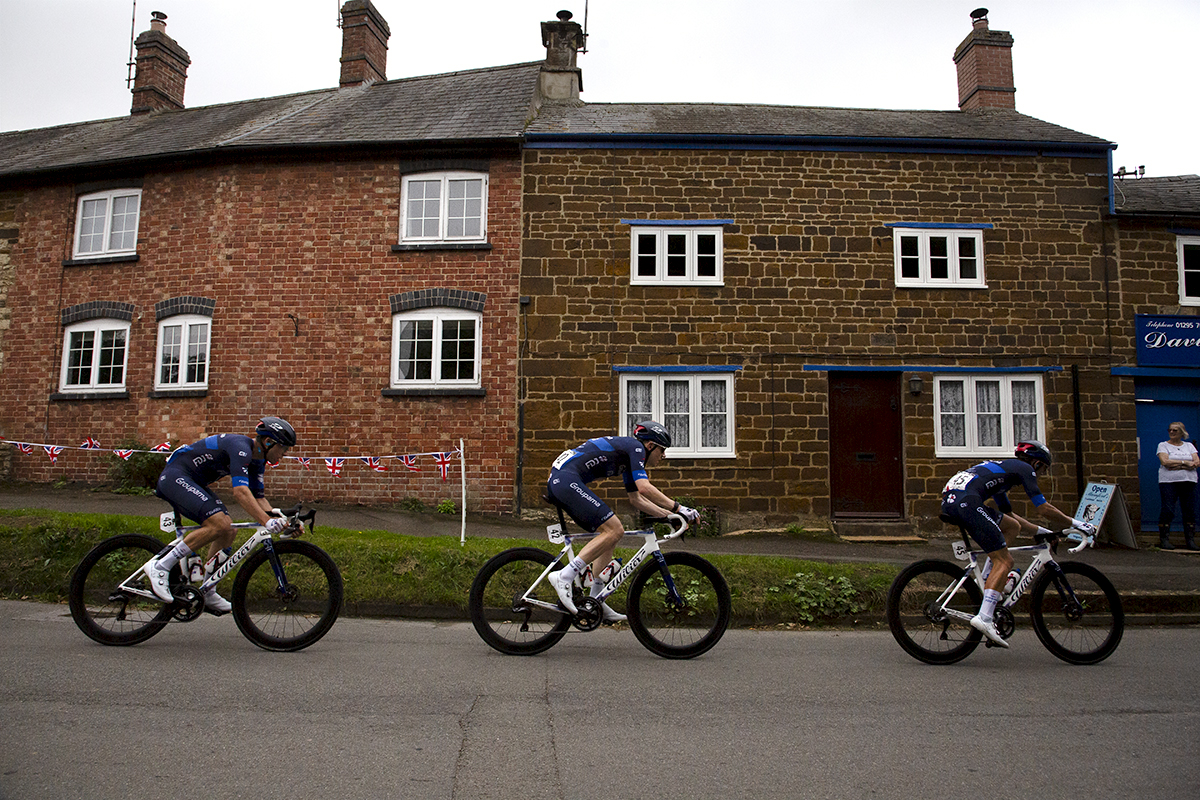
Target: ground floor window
696	408
986	415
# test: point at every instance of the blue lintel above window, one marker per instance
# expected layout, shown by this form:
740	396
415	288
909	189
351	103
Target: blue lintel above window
705	368
1158	372
1184	231
936	370
969	226
682	223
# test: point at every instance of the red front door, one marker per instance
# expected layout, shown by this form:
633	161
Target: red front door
865	444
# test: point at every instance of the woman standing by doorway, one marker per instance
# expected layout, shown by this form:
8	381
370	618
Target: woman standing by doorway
1178	461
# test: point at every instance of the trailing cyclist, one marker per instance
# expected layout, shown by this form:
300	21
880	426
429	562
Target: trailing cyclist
964	504
184	484
573	470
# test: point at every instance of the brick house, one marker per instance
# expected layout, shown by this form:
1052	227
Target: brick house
345	258
832	309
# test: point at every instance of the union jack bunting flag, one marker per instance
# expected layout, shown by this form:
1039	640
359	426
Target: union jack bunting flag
410	462
443	462
123	454
335	465
304	462
161	448
373	463
24	448
52	451
90	444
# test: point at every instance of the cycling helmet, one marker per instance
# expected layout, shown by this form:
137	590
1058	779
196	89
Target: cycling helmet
1034	451
651	431
277	430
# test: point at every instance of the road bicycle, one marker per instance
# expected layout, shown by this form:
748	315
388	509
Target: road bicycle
1075	610
286	595
678	604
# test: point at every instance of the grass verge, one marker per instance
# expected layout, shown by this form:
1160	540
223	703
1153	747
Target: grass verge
390	574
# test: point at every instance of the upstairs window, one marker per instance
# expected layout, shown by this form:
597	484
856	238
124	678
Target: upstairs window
677	255
1189	270
106	223
436	348
938	257
984	416
183	349
94	355
443	207
696	408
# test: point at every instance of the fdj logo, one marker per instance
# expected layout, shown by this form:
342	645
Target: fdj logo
202	459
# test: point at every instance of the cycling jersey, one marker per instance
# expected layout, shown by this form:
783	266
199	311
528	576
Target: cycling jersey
964	496
599	458
190	469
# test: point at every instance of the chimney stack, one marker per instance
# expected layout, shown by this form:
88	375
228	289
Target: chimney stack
365	35
984	61
560	80
161	69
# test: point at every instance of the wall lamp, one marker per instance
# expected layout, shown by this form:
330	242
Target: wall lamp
916	385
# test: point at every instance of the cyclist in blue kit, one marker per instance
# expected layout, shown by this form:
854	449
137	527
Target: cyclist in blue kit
964	504
184	484
627	456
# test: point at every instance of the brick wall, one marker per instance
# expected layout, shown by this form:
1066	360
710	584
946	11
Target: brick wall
310	239
809	279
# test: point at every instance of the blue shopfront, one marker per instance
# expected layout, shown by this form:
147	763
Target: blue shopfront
1166	389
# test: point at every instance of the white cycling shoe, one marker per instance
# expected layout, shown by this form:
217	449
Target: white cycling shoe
160	580
215	604
988	629
564	590
610	617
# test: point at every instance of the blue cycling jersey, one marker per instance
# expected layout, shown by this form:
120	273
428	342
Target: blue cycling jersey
993	479
603	458
214	457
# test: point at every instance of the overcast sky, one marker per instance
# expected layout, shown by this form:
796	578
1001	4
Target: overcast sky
1123	70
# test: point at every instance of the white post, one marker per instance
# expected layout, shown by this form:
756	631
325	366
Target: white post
462	464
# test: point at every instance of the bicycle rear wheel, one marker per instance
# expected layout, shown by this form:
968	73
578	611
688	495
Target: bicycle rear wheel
502	618
1082	620
296	615
673	630
924	631
105	613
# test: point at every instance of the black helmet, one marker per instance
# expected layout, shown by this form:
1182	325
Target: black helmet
276	429
651	431
1034	451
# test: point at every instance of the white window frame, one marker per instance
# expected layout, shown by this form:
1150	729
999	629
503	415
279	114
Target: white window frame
1193	243
666	236
189	324
97	327
1008	441
658	412
439	318
106	246
444	179
955	260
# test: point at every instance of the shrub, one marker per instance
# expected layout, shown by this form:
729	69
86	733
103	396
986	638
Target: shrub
139	473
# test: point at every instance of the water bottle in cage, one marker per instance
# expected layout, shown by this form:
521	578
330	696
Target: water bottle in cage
1014	575
193	567
608	572
214	563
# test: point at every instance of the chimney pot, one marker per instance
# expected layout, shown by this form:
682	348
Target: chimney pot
561	80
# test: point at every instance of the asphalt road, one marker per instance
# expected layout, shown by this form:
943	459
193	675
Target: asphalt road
400	709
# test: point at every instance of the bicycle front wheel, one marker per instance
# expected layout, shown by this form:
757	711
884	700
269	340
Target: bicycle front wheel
298	613
502	618
679	630
1079	616
107	614
919	623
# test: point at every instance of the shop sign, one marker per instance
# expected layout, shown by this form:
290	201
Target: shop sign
1168	341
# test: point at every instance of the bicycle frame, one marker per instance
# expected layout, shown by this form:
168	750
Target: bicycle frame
648	549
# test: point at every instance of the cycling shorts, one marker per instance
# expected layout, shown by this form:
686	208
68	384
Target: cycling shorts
981	521
187	497
580	502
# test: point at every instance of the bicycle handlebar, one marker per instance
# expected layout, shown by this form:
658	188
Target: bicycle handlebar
1084	540
671	520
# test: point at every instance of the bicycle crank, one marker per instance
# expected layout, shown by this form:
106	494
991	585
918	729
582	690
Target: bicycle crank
588	617
189	603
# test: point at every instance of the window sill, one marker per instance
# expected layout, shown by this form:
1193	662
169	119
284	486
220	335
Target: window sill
82	262
105	395
451	392
941	285
417	248
159	394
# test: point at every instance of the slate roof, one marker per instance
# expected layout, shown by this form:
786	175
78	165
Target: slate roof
486	104
613	120
1178	195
